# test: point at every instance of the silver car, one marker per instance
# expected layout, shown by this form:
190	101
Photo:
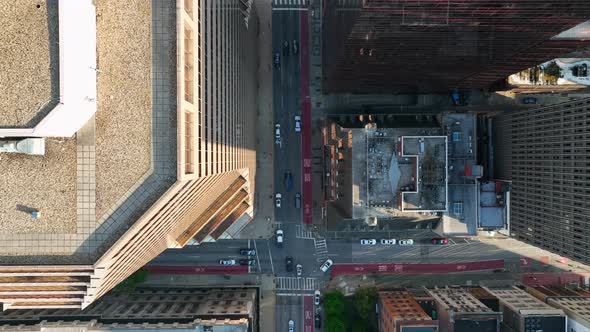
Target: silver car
327	264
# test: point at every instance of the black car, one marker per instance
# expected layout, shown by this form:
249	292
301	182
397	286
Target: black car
529	100
318	321
289	262
286	49
250	262
277	60
247	252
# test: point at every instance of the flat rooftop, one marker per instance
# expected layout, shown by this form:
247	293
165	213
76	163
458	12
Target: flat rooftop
88	189
29	73
388	181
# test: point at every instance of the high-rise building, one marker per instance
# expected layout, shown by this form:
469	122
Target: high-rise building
163	155
545	153
432	45
182	309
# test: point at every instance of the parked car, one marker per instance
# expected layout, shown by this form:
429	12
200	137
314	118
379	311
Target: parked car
327	264
277	60
289	263
529	100
278	198
250	262
368	242
317	297
291	325
387	241
288	180
279	235
318	321
299	270
406	242
286	50
439	240
298	200
227	261
247	251
295	47
297	124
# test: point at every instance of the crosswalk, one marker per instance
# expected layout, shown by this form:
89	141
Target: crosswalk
290	3
303	233
321	249
295	283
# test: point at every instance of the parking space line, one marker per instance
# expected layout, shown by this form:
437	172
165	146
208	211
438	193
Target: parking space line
270	257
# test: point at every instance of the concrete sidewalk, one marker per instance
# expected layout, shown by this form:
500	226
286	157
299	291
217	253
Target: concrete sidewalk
262	225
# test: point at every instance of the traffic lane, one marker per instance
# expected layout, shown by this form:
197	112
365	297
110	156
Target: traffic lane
308	314
289	308
204	254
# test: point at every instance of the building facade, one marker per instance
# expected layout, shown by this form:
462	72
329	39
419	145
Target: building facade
545	154
524	313
209	309
200	182
421	46
399	312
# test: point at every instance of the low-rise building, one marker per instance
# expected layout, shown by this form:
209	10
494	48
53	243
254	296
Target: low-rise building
459	311
400	312
524	313
575	302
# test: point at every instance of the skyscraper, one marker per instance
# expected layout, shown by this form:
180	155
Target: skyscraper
164	157
545	153
432	45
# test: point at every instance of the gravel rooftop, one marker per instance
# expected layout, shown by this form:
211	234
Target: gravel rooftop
29	73
123	119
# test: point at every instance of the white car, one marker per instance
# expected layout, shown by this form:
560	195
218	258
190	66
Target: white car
227	262
407	242
278	198
327	264
387	241
279	237
299	270
278	133
368	242
291	325
317	296
297	124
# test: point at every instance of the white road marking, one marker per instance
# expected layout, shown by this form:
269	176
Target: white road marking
295	9
257	258
270	256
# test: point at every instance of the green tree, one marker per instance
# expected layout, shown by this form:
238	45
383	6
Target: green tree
552	72
364	302
128	285
335	316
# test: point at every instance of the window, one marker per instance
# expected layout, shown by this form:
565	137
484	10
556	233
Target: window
458	207
456	136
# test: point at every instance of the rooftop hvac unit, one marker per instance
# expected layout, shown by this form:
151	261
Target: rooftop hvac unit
31	146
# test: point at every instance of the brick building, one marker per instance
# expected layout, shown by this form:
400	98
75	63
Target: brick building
399	312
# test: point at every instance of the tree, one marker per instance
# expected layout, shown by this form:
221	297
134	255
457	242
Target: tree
128	285
335	316
552	72
364	302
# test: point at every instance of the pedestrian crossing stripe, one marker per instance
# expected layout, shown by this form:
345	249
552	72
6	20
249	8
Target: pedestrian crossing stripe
295	283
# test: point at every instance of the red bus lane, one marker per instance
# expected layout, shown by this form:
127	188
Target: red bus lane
305	121
307	314
213	269
415	268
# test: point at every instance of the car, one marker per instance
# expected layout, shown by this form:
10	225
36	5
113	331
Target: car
285	48
298	200
297	124
318	321
299	270
387	241
288	180
277	60
227	261
278	198
277	134
248	251
291	325
439	240
317	297
295	47
529	100
327	264
279	235
289	263
250	262
406	242
368	242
